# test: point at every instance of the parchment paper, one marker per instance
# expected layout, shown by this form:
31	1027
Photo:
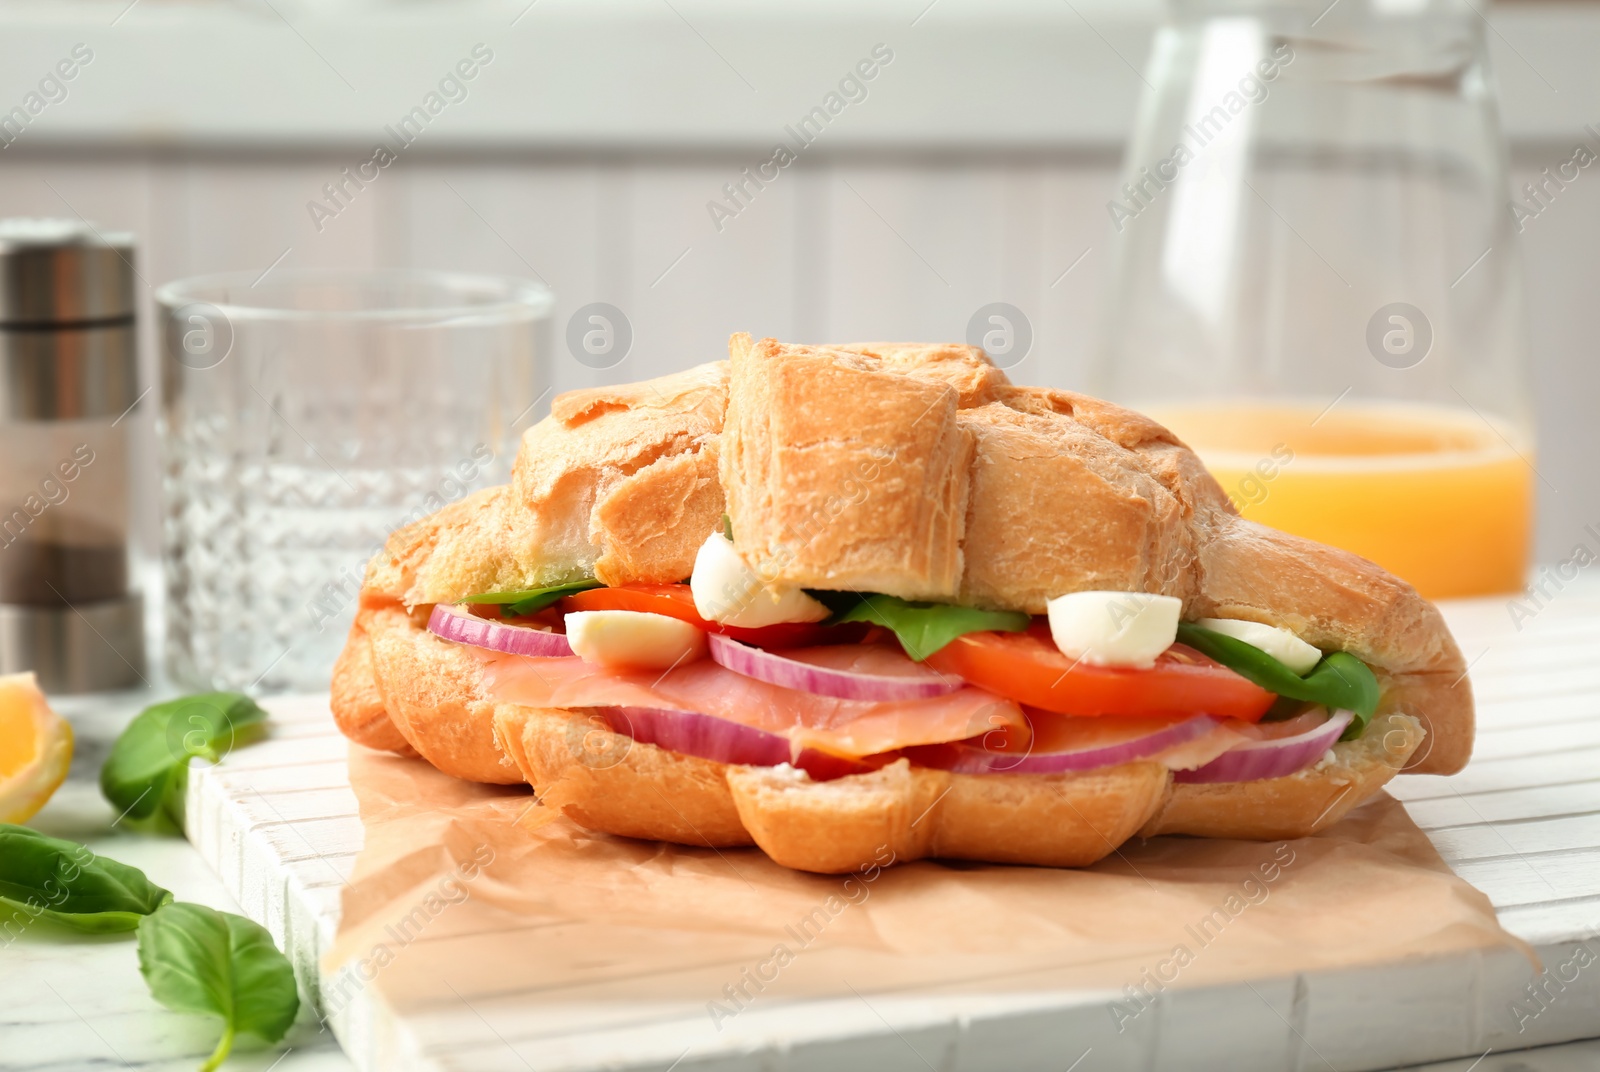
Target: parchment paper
452	901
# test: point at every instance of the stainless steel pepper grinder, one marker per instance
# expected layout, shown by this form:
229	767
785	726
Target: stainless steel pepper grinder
68	381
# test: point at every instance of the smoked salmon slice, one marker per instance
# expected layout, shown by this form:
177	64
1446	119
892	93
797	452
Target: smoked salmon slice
841	727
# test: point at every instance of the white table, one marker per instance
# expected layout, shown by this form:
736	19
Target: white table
69	1003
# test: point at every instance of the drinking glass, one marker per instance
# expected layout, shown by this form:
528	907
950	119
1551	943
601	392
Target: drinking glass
304	418
1316	283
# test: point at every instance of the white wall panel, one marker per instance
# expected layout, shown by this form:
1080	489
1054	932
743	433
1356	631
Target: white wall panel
242	215
810	258
1070	269
541	223
619	75
913	249
738	279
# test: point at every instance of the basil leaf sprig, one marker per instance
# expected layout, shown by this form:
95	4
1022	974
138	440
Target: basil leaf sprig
193	958
1339	682
531	600
66	883
196	959
921	628
145	775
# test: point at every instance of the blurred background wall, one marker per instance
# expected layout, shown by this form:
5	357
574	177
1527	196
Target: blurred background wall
973	166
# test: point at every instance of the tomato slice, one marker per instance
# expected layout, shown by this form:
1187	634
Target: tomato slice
1029	668
676	601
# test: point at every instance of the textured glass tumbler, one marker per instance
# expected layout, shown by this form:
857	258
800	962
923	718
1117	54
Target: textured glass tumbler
306	417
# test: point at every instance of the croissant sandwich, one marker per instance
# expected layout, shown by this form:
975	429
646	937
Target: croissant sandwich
843	601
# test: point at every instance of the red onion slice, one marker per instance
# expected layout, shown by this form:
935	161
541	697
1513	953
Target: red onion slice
1253	761
694	734
453	623
691	733
1310	719
964	758
790	672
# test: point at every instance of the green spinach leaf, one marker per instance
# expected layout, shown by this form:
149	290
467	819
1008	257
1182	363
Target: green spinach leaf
531	600
196	959
921	628
1339	681
145	775
64	882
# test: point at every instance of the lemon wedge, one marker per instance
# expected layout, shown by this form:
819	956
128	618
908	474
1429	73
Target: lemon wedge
35	748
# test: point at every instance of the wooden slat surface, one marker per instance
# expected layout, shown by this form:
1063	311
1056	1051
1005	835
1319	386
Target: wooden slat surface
1522	823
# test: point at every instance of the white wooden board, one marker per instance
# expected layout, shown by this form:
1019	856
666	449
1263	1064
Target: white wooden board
278	822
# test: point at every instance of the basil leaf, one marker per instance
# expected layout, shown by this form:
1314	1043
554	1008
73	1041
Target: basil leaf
196	959
64	882
1339	682
921	628
145	775
531	600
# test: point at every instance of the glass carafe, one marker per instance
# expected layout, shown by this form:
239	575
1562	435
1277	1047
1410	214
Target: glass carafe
1316	283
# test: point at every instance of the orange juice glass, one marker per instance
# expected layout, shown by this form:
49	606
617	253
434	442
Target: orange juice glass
1438	495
